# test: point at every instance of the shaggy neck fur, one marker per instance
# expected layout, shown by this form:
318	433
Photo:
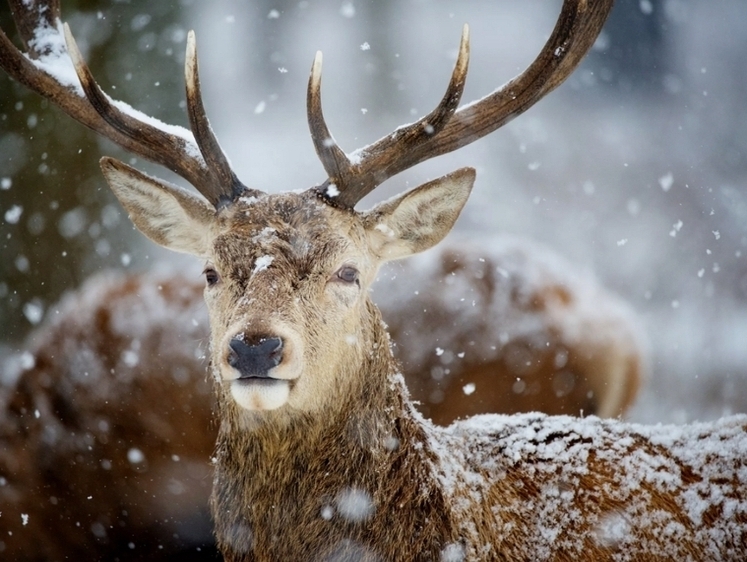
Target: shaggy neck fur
332	486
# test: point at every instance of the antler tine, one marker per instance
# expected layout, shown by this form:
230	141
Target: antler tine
355	181
335	161
32	73
577	28
227	186
157	144
44	71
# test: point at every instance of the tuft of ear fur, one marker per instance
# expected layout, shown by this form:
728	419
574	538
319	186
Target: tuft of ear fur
419	219
165	213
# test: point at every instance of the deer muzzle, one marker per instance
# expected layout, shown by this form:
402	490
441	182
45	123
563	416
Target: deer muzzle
255	360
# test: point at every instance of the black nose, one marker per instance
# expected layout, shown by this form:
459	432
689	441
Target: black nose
256	358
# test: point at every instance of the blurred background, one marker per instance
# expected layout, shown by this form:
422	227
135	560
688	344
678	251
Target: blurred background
634	169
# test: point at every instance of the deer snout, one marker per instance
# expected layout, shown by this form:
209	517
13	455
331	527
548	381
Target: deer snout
255	358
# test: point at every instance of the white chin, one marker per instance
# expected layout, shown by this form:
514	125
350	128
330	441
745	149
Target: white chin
259	395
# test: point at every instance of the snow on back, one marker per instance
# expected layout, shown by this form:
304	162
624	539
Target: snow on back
140	316
645	478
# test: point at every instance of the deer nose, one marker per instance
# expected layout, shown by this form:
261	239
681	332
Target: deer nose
255	359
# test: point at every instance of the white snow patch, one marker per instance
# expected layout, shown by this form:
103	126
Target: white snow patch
13	215
135	456
332	190
355	504
385	230
262	263
27	360
327	512
468	388
453	553
33	311
347	10
54	59
666	181
611	530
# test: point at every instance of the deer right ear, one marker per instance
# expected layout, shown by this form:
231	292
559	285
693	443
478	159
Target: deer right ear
167	214
419	219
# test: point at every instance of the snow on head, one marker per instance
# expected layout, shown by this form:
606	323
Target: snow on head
262	263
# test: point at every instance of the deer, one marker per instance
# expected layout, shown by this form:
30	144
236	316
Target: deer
320	452
121	342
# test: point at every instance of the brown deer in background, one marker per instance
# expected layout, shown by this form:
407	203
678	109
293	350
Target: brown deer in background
320	453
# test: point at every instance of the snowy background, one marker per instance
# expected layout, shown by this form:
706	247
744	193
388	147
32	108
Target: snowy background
634	169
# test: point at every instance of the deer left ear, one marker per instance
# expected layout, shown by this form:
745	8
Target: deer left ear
419	219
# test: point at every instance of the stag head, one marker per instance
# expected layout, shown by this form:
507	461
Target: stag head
287	278
287	274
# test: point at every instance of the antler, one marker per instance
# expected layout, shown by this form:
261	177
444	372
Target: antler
444	129
195	156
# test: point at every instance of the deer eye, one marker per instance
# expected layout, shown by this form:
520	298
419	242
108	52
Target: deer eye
347	274
211	276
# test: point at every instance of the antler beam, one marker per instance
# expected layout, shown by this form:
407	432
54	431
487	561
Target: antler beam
577	28
195	156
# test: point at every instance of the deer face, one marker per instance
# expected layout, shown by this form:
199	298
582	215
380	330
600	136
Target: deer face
286	287
287	278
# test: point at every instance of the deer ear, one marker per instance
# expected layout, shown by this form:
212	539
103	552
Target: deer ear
167	214
419	219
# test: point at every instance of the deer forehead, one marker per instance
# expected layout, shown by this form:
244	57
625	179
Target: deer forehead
296	230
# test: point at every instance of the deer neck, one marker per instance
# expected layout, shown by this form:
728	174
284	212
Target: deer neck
330	481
